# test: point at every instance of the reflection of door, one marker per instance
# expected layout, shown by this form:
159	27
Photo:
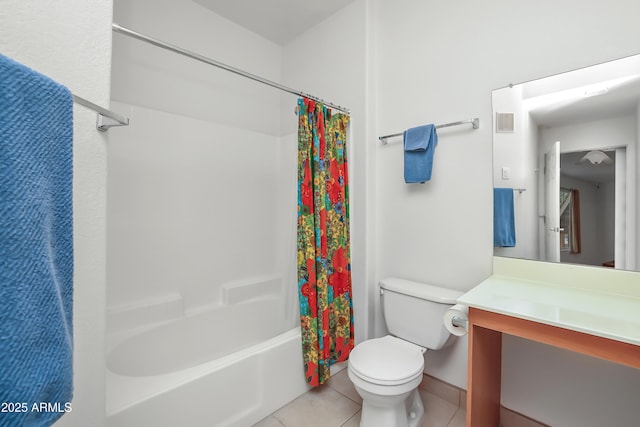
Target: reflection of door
620	231
552	202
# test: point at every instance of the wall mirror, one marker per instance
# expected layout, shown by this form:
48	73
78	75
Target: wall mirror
568	148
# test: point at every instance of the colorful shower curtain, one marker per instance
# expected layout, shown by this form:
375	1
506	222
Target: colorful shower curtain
324	260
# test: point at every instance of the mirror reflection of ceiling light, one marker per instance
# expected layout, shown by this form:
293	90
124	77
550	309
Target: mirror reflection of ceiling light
576	93
596	157
595	91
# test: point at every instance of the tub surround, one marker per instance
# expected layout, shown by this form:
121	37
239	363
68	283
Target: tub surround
566	306
234	391
173	356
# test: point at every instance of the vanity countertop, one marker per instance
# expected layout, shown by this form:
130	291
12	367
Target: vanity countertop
606	314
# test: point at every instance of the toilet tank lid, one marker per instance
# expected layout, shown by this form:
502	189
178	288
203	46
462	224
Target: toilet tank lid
421	290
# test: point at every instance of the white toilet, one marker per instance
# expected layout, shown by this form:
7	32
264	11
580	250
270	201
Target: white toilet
387	371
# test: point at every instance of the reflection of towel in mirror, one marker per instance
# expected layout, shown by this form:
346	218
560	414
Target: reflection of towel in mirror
36	244
504	230
419	145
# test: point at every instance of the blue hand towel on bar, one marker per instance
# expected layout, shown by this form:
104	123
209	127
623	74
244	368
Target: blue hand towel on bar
36	246
419	145
504	228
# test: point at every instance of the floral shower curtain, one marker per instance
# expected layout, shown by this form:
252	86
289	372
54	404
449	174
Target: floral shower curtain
324	260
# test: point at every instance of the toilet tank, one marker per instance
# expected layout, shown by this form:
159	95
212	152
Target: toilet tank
415	311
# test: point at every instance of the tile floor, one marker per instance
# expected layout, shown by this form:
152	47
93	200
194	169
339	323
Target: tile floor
337	404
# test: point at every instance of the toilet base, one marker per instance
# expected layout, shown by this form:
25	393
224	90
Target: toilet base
403	410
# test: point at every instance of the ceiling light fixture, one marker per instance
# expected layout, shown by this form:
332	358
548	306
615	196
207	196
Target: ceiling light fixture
596	157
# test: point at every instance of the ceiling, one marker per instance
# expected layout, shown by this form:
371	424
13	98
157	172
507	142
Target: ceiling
277	20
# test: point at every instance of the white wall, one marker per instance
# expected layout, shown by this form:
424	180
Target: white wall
439	62
195	183
71	43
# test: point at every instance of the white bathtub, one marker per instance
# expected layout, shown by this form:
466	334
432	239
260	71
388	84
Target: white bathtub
215	368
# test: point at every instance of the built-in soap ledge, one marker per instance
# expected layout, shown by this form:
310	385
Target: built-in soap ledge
251	288
143	313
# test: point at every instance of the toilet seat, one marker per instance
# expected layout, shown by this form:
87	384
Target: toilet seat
387	361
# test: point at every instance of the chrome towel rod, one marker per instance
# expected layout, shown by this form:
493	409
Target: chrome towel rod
106	118
474	122
127	32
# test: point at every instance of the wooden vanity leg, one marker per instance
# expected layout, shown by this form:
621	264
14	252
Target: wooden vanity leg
483	385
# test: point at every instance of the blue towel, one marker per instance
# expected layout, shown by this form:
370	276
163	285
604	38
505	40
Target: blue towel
36	246
504	227
419	144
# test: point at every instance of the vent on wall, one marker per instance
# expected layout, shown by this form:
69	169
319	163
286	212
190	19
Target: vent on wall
504	122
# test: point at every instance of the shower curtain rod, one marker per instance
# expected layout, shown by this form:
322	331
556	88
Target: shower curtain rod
106	118
122	30
474	122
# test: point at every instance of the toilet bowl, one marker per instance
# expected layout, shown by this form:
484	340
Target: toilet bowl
386	371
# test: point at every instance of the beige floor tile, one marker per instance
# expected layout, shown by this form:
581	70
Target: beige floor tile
353	421
342	384
320	407
459	419
437	411
334	405
270	421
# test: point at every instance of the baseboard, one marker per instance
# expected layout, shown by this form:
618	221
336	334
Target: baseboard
458	396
